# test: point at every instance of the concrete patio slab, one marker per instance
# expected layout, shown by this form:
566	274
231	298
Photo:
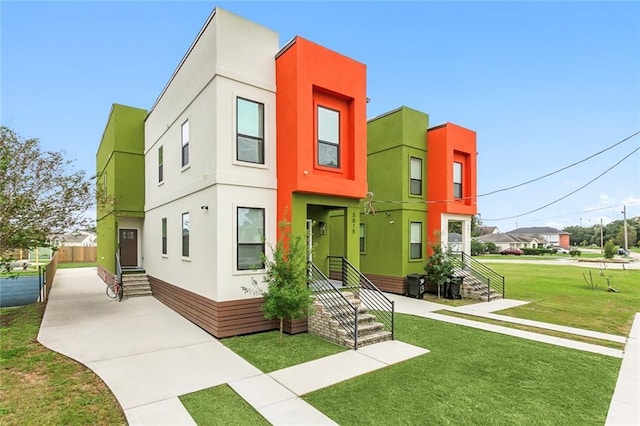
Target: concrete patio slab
408	305
493	306
392	352
167	412
261	391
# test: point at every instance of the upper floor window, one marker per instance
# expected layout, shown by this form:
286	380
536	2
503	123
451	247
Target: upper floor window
250	131
160	164
164	235
186	225
415	176
250	228
457	179
328	137
185	143
415	248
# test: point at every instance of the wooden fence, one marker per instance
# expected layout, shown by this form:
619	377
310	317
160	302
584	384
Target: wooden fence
47	274
77	254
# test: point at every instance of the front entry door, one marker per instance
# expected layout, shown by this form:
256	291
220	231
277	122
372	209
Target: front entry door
128	247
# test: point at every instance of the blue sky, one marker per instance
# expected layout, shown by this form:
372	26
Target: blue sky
544	84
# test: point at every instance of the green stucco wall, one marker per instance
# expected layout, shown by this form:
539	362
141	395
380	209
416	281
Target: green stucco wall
320	208
119	162
391	140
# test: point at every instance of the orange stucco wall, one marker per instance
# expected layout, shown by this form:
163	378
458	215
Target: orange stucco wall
445	144
308	75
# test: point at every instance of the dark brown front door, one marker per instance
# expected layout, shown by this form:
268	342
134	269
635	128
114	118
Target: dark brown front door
128	247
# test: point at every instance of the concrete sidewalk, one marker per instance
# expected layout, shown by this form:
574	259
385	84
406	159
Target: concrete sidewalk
149	355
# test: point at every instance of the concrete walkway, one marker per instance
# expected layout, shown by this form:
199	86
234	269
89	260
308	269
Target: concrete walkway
149	355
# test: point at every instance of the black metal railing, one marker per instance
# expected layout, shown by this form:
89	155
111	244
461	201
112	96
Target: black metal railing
370	296
118	276
345	312
470	267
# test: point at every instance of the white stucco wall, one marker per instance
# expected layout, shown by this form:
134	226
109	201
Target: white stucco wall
465	245
232	58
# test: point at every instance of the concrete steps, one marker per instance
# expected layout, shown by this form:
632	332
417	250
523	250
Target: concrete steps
135	285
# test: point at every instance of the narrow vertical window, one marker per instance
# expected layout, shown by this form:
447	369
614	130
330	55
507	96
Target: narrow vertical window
415	250
328	137
160	164
249	131
185	234
457	180
415	176
185	143
250	237
362	236
164	235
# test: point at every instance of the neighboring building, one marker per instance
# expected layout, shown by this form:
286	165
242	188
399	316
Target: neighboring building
552	236
423	183
76	239
219	171
513	241
484	230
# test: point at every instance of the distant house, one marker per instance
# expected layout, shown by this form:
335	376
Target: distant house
553	236
513	241
485	230
76	239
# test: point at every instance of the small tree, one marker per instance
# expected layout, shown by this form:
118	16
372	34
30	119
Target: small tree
609	249
287	295
439	266
477	247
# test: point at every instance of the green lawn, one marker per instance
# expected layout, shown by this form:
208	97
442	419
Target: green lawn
473	377
69	265
263	351
560	295
220	405
39	386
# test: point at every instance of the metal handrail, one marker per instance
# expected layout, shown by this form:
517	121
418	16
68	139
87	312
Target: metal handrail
334	301
470	266
118	268
368	293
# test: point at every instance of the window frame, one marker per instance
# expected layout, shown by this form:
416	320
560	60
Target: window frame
239	244
185	143
260	140
362	238
411	243
320	142
164	238
457	186
160	164
412	180
187	237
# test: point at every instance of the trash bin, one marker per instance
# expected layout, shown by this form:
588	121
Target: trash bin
416	285
453	287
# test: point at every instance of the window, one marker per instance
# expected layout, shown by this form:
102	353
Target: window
160	163
185	234
185	143
164	235
250	238
457	180
328	137
250	131
415	251
415	176
362	241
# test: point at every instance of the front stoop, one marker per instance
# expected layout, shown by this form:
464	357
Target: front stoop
330	316
474	289
135	285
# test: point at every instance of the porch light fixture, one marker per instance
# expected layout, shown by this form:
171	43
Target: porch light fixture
323	228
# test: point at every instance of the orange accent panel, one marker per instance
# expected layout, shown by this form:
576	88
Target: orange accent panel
308	75
446	144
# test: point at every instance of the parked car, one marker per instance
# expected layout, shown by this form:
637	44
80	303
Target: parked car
560	250
621	252
516	252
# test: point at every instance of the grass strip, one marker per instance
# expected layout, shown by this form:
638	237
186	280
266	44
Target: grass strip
220	405
474	377
40	386
263	351
554	333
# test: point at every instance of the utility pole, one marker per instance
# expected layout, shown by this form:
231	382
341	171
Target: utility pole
626	240
601	238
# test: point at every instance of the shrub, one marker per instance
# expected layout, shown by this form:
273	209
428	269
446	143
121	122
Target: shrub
477	247
575	252
609	249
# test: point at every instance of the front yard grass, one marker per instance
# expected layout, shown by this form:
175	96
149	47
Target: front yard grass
263	351
39	386
560	295
475	377
220	405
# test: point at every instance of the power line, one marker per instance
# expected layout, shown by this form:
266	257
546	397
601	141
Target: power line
572	192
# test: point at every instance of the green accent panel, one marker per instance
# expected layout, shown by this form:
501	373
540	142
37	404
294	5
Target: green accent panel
402	126
336	233
320	208
119	164
106	228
